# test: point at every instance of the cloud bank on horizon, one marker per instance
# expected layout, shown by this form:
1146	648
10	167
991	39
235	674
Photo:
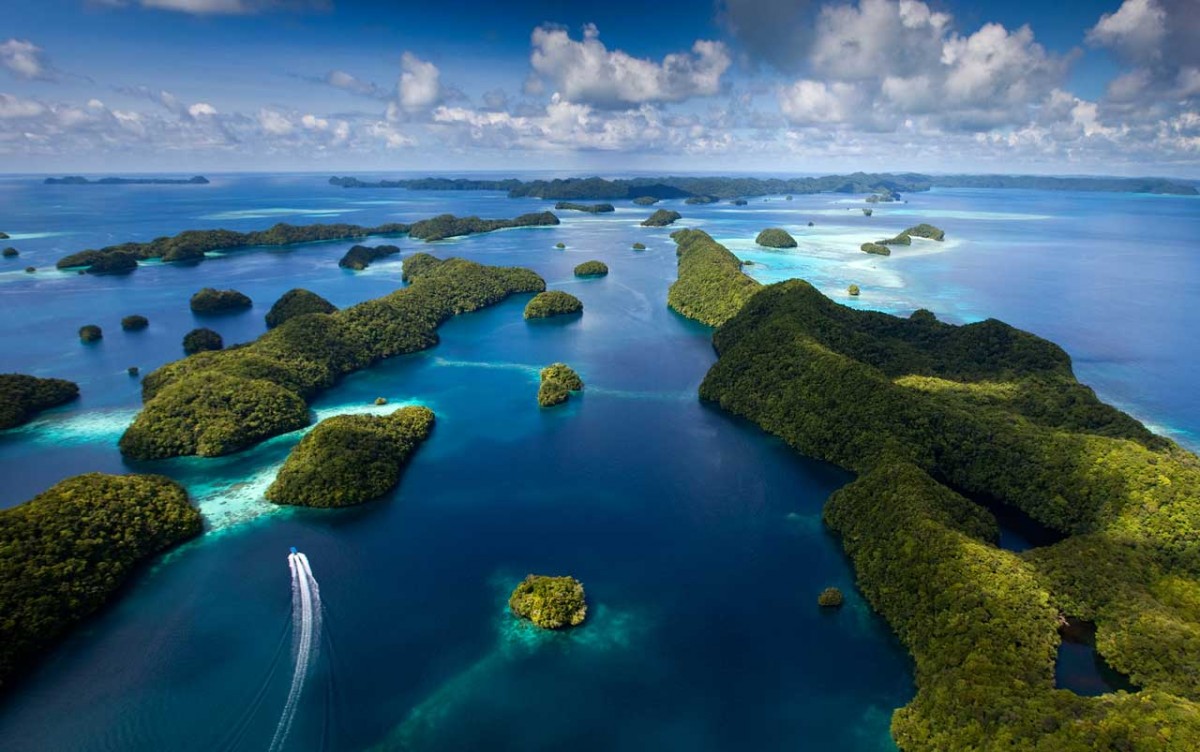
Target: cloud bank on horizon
758	84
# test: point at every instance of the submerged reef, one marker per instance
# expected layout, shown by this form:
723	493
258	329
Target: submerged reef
22	397
351	459
68	550
552	303
549	602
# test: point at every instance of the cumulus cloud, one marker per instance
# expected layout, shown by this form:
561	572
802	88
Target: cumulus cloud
420	84
1137	29
348	82
776	31
587	72
24	59
1158	38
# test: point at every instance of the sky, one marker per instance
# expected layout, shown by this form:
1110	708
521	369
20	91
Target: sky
794	86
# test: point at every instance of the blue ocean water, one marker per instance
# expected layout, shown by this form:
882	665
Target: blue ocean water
698	538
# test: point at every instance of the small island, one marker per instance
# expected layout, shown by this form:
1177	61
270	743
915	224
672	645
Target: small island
552	303
591	269
30	269
549	602
90	333
868	212
645	200
639	246
661	218
11	252
134	323
693	200
351	459
589	208
830	597
209	301
449	226
80	180
3	236
775	237
905	238
202	340
22	397
557	382
560	245
884	196
359	257
876	248
739	202
297	302
853	290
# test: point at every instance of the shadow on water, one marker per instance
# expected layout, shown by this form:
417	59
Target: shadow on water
1080	668
1018	531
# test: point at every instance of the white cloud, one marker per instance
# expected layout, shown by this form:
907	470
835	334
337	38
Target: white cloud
814	102
348	82
420	83
202	109
587	72
221	7
13	108
1137	29
24	59
275	123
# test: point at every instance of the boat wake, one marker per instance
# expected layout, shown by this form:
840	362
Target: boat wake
306	637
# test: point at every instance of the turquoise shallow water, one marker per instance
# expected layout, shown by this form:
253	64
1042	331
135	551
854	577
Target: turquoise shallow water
698	538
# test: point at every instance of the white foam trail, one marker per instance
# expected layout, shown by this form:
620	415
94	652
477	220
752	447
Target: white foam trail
306	632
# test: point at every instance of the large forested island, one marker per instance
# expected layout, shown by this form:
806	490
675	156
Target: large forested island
22	397
79	180
728	187
936	419
215	403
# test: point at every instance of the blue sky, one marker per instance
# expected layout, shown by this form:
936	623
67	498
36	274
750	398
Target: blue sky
1091	86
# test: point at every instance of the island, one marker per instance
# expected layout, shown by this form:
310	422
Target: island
710	286
3	236
905	238
79	180
558	380
116	262
916	401
67	551
209	301
775	237
739	202
868	212
11	252
853	291
202	340
589	208
645	200
449	226
30	269
639	246
549	602
830	597
216	403
661	218
359	257
591	269
134	323
22	397
879	249
552	303
884	196
350	459
297	302
701	200
560	245
90	333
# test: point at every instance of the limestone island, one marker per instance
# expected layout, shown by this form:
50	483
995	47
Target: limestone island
79	180
134	323
661	218
11	252
884	196
552	303
591	269
701	200
297	302
557	382
853	290
549	602
449	226
350	459
878	249
560	245
209	301
905	238
202	340
739	202
775	237
68	550
90	333
3	236
589	208
830	597
359	257
639	246
22	397
640	201
868	212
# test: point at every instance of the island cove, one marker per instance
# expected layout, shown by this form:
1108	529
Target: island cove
192	245
647	189
936	419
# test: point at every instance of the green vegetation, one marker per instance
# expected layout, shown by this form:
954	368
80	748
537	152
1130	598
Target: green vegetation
885	196
192	245
639	246
925	231
64	553
905	238
867	212
830	597
589	208
297	302
645	200
932	415
202	340
591	269
775	237
132	370
381	401
78	180
450	226
11	252
215	403
116	262
853	290
661	218
209	301
359	257
30	269
22	397
739	202
549	602
560	245
3	236
134	323
711	286
876	248
701	200
350	459
557	382
552	303
90	333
